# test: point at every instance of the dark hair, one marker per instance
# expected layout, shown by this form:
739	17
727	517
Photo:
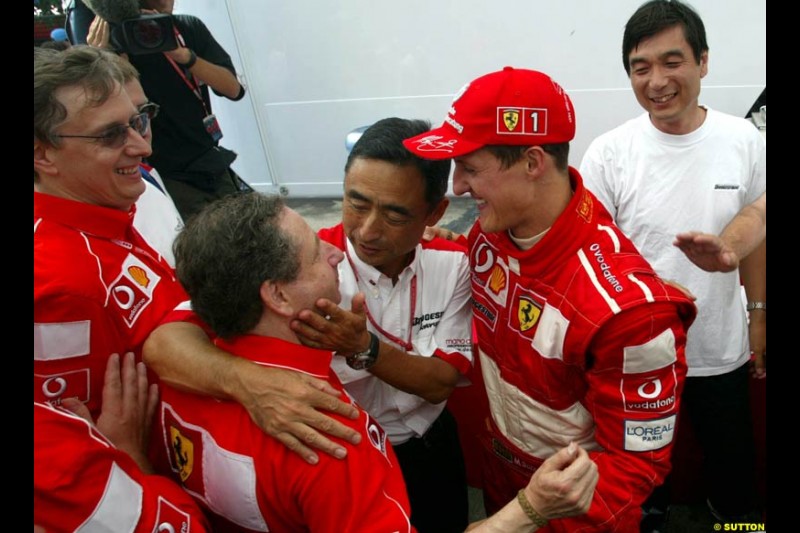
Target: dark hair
95	70
657	15
224	254
510	154
384	141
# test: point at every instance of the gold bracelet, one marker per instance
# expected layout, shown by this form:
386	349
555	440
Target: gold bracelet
535	517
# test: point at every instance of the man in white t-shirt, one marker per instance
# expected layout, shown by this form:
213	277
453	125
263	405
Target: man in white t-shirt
682	165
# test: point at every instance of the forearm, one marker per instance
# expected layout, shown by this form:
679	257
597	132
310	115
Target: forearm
430	378
218	78
746	231
753	271
184	357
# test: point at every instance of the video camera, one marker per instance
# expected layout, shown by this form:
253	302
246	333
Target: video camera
146	34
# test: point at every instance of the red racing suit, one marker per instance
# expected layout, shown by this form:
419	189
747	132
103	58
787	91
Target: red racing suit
579	341
98	288
80	480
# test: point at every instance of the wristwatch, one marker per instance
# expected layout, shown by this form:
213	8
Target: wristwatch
192	60
364	360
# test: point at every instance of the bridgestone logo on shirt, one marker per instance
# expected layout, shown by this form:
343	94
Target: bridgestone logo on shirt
649	435
432	320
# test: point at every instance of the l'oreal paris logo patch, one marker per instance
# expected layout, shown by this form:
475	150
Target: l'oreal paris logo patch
649	435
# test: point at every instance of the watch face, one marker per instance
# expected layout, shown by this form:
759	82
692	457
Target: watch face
360	361
367	358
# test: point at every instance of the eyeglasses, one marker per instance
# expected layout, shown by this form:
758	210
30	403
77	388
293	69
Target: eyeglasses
117	136
151	108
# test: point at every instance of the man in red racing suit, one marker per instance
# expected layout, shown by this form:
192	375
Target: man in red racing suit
582	342
579	340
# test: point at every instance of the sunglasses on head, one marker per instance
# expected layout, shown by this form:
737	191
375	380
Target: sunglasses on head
116	136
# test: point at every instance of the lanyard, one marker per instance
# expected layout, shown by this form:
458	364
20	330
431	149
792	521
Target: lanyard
125	244
404	344
193	85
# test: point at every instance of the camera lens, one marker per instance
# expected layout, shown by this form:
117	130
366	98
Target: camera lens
148	34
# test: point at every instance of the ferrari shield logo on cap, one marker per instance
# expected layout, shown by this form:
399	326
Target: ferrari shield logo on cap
511	118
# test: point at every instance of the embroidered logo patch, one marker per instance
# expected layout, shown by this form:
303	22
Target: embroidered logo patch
376	434
433	143
521	121
528	312
182	453
585	207
511	119
133	290
170	519
52	388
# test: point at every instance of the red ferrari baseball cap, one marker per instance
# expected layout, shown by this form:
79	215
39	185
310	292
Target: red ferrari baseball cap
508	107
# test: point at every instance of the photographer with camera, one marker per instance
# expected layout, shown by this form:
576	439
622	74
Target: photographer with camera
178	60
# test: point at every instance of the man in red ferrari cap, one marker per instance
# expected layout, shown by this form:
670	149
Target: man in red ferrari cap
579	339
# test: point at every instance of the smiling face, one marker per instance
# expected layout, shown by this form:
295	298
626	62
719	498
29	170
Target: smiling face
384	212
501	194
665	77
318	276
83	169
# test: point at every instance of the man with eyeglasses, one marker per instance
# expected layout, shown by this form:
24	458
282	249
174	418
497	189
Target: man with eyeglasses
99	287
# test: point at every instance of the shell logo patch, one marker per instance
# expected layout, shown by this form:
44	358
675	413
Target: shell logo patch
497	280
133	289
139	275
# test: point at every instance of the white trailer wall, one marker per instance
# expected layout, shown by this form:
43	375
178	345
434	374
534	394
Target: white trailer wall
316	69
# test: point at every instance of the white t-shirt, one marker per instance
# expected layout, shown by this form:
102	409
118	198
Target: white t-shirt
656	185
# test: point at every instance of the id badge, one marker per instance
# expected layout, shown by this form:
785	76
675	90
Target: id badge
212	127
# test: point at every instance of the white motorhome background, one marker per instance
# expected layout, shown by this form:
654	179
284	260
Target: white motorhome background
317	69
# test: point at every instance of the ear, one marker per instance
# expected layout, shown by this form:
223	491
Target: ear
42	158
438	212
535	159
276	299
704	64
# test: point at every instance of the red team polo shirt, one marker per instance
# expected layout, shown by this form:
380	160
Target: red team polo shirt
252	482
81	482
98	289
